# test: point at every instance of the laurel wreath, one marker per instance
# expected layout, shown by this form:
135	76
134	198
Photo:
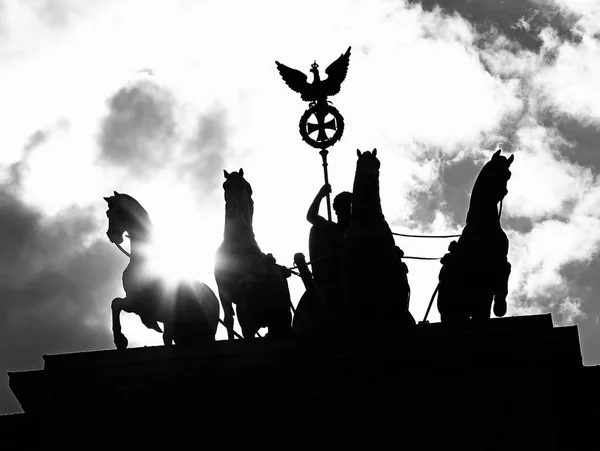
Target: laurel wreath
339	130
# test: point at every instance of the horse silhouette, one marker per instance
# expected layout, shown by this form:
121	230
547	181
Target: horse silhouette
189	311
374	282
245	276
475	272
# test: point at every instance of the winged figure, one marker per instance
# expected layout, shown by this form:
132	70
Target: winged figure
318	90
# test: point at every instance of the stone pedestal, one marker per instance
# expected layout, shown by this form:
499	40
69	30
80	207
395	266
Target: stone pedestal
512	383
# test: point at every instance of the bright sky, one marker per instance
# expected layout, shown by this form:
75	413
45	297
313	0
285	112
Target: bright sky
156	98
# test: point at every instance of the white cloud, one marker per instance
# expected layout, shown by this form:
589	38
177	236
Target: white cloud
543	184
538	256
570	310
588	10
571	83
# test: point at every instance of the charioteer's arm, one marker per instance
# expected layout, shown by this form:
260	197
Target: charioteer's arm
313	211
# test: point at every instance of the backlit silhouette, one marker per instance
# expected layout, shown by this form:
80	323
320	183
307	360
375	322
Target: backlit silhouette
329	124
318	90
245	276
325	246
312	316
375	287
475	272
189	311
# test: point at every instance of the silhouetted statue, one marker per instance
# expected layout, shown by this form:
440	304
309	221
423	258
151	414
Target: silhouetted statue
402	287
374	282
325	246
316	93
245	276
318	90
312	316
475	272
189	312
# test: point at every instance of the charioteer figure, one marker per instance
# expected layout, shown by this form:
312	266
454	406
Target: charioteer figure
325	244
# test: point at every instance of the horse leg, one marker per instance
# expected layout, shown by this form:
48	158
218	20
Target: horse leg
226	302
168	333
117	305
502	291
247	319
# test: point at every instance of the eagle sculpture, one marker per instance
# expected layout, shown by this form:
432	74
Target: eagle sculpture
318	90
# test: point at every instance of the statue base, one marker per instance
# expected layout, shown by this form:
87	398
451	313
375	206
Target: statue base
517	383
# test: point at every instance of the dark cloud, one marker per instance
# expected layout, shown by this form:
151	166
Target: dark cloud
519	224
425	202
18	229
581	143
206	152
458	178
55	286
449	195
583	282
139	134
519	20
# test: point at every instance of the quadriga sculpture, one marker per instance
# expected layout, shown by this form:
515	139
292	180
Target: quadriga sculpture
245	276
189	312
375	286
475	272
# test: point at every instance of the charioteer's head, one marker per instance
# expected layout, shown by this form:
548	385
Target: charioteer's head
342	205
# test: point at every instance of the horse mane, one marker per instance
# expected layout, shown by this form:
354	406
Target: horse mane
135	209
239	175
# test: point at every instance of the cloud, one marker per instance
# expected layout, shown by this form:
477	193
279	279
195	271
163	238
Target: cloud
518	20
205	151
569	84
543	183
58	13
54	289
586	12
570	309
581	143
139	135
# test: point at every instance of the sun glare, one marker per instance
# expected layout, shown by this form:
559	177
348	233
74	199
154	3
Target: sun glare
184	238
182	253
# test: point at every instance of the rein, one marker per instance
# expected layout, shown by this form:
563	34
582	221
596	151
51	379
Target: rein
123	250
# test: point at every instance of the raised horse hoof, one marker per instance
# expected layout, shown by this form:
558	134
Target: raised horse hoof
121	341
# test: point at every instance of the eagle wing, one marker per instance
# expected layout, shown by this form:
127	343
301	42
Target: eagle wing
336	73
295	79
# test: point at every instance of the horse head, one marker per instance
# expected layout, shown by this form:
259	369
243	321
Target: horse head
493	178
238	195
365	193
491	183
125	214
368	164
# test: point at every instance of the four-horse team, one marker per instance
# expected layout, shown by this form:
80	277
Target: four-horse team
358	283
